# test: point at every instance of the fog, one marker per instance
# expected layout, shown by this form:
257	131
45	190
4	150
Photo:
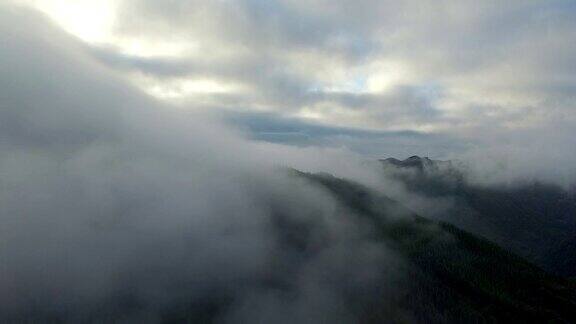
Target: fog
531	155
116	206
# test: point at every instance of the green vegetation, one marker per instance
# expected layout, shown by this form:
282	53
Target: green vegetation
457	276
531	219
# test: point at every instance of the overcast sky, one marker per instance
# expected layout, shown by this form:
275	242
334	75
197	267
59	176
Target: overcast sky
382	78
142	143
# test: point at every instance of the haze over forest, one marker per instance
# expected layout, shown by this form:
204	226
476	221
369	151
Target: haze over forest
287	161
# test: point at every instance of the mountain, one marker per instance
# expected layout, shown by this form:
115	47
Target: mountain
433	272
533	219
454	276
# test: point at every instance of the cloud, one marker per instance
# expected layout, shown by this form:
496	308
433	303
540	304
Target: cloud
533	154
457	69
116	206
495	77
276	128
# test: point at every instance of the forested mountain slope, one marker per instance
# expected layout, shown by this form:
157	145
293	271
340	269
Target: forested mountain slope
533	219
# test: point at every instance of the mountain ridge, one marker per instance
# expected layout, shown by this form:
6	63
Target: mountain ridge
533	219
469	272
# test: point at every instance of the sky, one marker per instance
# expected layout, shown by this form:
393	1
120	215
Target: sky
382	78
144	144
114	206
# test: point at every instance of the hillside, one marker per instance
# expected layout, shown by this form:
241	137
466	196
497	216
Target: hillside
533	219
456	276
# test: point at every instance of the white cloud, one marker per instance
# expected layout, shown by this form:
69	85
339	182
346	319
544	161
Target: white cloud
109	197
449	67
91	21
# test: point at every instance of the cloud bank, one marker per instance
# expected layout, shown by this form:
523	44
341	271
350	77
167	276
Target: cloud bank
449	79
115	206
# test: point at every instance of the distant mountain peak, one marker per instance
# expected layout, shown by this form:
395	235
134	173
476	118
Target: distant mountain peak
414	161
416	157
